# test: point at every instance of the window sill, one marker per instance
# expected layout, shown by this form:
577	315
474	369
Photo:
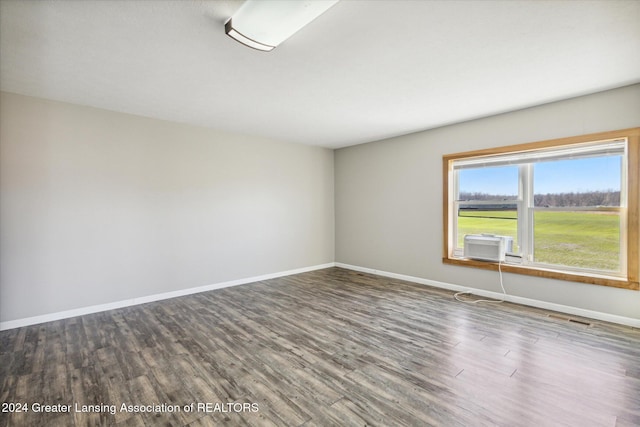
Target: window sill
548	274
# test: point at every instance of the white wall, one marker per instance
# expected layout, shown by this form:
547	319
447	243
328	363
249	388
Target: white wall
389	197
98	207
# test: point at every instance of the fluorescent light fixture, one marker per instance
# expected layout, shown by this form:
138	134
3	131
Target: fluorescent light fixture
231	32
263	25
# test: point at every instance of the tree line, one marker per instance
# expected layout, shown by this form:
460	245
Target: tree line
569	199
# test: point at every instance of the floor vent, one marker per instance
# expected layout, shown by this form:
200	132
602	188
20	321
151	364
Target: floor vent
582	322
569	319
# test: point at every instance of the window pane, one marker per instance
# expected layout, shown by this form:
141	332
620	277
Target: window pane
580	182
490	183
498	219
583	239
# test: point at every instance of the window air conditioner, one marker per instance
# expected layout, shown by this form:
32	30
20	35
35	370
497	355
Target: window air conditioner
487	247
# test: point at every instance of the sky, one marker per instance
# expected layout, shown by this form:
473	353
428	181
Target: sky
563	176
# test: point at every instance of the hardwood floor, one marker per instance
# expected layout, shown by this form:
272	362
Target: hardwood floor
330	347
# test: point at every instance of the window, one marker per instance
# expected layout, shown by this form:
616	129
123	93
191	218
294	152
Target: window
570	206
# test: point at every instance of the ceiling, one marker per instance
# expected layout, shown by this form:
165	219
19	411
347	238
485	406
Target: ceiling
363	71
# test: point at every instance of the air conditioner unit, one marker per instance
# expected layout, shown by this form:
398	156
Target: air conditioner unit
487	247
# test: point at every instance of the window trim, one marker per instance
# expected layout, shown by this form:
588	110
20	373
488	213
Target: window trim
631	221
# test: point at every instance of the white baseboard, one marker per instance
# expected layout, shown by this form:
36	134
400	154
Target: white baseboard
628	321
11	324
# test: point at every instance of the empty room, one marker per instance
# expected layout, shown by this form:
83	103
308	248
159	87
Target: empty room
319	213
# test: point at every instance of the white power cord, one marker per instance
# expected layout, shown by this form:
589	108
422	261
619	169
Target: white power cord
504	293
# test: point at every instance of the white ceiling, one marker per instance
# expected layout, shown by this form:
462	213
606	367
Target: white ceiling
363	71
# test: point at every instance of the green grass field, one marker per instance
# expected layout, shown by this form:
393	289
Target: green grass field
577	239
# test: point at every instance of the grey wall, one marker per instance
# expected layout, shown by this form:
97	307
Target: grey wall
389	197
98	207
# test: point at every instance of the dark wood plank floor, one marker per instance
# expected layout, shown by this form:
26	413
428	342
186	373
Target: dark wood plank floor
330	347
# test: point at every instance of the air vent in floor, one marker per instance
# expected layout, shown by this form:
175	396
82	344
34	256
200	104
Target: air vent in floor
569	319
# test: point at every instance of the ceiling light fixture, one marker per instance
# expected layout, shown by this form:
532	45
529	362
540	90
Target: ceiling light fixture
263	25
